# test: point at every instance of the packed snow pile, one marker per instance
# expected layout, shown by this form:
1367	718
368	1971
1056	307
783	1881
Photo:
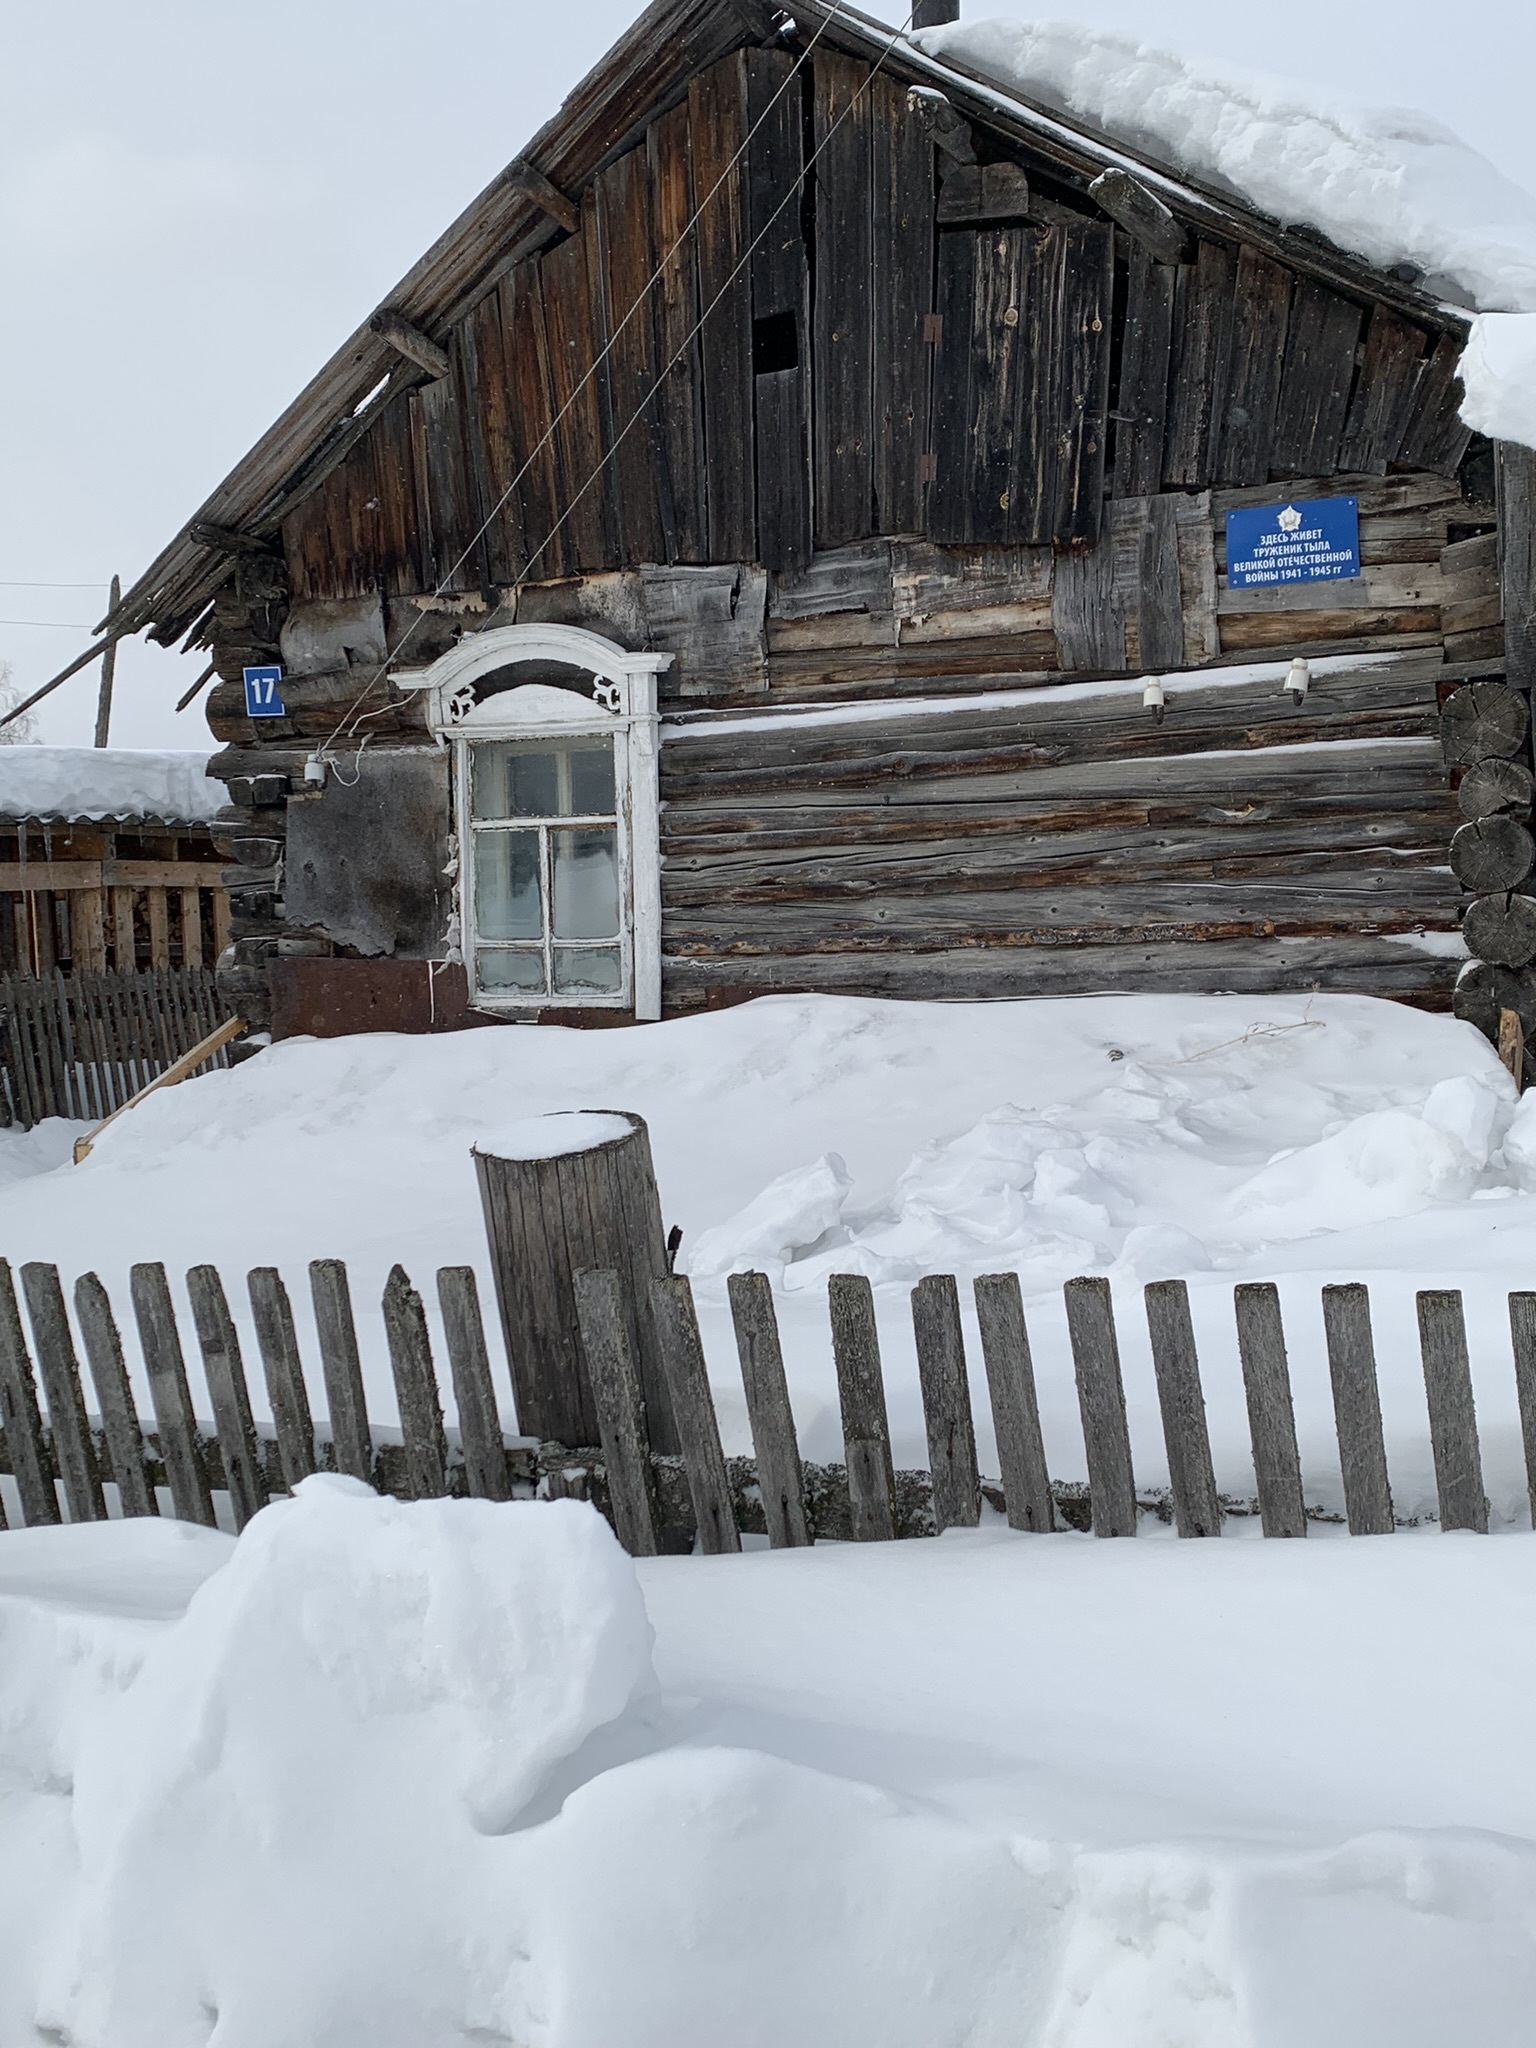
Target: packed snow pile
1390	184
390	1776
108	782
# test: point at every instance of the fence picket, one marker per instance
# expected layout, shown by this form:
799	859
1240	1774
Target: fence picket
614	1373
114	1397
1522	1333
1181	1402
861	1396
693	1411
1015	1406
474	1392
175	1424
345	1400
224	1370
1452	1413
283	1369
59	1370
1101	1403
946	1395
31	1463
421	1414
780	1478
1357	1410
1271	1417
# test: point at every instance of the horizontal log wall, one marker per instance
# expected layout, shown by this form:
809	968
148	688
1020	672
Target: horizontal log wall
1064	839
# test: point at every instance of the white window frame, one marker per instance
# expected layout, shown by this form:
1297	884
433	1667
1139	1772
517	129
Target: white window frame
622	708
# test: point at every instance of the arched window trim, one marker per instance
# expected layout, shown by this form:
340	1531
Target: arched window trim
623	707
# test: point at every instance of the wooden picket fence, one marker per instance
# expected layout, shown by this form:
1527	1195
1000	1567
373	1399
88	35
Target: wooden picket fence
79	1045
701	1498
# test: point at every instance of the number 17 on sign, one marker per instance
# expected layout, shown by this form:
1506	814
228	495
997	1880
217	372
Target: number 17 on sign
262	699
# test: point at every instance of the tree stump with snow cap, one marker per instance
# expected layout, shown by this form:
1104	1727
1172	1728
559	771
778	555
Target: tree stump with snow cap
564	1194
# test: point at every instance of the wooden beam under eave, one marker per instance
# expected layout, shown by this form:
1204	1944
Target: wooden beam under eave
549	198
410	342
1140	212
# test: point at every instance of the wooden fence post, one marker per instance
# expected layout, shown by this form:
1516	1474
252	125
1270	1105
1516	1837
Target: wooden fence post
693	1412
224	1370
1357	1410
861	1396
59	1370
547	1219
1101	1402
30	1460
606	1339
345	1400
1181	1400
114	1397
421	1415
780	1479
485	1456
1522	1332
1015	1406
1271	1418
946	1403
283	1369
1452	1414
175	1423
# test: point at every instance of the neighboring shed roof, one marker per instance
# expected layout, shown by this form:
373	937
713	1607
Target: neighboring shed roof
647	69
59	783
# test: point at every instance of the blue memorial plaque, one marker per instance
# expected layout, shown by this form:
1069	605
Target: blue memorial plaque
1303	541
261	693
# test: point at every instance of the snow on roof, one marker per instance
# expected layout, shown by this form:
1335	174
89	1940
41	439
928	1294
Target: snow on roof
1389	184
108	782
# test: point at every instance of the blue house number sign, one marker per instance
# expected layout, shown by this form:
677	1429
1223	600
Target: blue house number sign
1300	541
262	699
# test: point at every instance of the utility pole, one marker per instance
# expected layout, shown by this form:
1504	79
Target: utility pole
108	668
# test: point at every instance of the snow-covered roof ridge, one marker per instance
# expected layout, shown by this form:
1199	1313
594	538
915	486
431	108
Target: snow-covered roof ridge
1390	184
108	782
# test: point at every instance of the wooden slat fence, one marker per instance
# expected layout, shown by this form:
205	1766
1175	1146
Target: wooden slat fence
80	1045
61	1448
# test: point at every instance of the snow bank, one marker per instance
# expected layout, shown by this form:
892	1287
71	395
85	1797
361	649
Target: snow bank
1392	185
405	1776
107	782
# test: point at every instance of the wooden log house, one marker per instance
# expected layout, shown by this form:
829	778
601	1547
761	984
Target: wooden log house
735	557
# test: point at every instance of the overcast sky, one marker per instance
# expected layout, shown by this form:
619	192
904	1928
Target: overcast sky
198	202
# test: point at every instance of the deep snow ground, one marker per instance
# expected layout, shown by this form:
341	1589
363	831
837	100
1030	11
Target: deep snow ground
1304	1139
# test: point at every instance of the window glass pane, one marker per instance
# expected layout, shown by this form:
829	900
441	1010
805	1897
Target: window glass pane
586	883
587	970
497	969
592	782
507	896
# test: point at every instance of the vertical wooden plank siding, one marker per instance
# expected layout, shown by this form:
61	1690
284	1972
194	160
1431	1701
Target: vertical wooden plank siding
175	1424
675	308
951	497
843	360
283	1366
224	1370
615	1376
693	1411
59	1370
1452	1414
1258	355
1181	1401
1271	1417
1515	476
1383	398
717	101
861	1397
492	440
474	1394
19	1414
1141	402
780	293
1357	1410
1005	292
1522	1331
1015	1406
1082	259
421	1414
946	1403
532	448
114	1397
1321	337
1101	1403
623	220
1201	364
902	298
346	1403
596	493
780	1481
442	477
